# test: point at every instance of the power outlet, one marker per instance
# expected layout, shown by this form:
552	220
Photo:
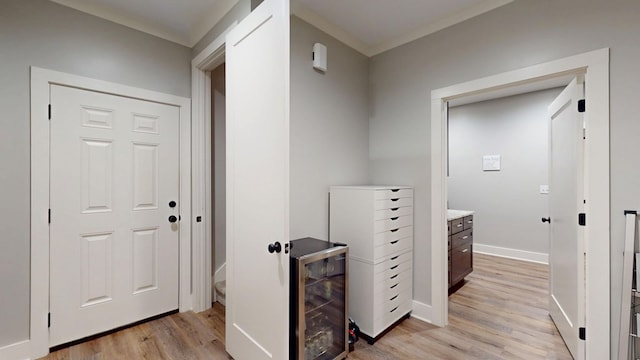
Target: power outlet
544	189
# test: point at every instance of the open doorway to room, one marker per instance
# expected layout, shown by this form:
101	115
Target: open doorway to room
589	196
498	191
216	181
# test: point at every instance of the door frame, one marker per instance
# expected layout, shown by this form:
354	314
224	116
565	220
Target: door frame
41	80
208	59
595	66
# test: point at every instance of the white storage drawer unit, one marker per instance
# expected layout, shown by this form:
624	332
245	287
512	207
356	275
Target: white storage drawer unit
377	224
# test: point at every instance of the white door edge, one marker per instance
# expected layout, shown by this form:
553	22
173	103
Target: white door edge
597	236
41	79
207	60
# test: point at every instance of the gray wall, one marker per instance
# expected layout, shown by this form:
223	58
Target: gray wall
44	34
507	203
237	13
329	127
514	36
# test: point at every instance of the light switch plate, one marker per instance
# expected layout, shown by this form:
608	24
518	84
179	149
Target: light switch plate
544	189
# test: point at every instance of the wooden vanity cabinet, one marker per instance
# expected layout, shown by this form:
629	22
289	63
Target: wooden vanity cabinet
460	243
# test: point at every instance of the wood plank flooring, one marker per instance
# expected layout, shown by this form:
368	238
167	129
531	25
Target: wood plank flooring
500	313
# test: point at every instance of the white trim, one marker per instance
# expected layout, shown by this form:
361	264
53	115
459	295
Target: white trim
221	273
207	60
41	79
200	29
595	66
335	31
321	23
421	311
523	255
196	30
17	351
430	28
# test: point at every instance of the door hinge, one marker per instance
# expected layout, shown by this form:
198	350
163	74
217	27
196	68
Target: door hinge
581	105
582	219
49	320
49	216
582	333
49	111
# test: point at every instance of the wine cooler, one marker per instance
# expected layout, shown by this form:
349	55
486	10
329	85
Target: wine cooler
319	288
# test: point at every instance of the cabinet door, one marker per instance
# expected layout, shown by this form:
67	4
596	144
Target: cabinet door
461	262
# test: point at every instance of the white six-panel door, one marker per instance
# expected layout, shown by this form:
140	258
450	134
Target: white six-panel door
566	200
257	65
114	171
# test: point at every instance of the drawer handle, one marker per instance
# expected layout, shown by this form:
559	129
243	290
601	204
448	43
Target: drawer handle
395	218
396	199
395	257
459	225
394	309
393	298
395	190
469	221
464	251
394	230
465	237
394	276
394	209
394	267
394	242
393	286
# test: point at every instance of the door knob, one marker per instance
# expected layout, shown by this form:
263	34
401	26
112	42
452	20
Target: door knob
173	219
172	204
547	219
275	247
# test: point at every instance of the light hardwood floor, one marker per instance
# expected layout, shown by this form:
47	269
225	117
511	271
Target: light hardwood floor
500	313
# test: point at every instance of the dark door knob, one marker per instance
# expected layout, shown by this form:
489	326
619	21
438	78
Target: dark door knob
173	219
275	247
548	219
172	204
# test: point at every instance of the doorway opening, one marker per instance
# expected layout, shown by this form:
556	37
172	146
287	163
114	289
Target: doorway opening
208	89
498	181
216	183
595	67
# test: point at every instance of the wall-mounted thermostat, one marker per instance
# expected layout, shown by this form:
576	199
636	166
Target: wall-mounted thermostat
319	57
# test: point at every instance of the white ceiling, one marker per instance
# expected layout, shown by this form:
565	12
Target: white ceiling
369	26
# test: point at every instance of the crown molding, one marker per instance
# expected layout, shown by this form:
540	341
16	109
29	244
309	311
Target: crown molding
319	22
438	25
200	29
314	19
197	30
126	20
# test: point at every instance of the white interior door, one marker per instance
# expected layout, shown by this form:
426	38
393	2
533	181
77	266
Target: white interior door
114	251
257	60
566	201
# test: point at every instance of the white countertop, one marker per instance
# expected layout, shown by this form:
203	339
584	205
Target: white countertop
457	214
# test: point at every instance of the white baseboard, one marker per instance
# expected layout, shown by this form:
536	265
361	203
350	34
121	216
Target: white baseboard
523	255
214	298
220	274
17	351
421	311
